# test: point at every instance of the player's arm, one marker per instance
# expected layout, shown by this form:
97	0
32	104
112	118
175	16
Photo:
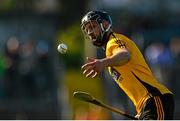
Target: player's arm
120	57
92	68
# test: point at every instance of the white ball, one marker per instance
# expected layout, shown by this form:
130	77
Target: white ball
62	48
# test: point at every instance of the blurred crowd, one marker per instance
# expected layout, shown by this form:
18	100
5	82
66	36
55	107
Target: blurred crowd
19	69
28	80
164	61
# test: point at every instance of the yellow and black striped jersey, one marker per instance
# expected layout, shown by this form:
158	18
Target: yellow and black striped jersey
135	77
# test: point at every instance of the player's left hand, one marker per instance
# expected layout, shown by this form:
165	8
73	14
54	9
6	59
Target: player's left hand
93	67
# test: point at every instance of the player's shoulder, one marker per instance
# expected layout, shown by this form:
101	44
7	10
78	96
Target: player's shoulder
118	38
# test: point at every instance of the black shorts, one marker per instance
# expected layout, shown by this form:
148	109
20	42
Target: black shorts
158	108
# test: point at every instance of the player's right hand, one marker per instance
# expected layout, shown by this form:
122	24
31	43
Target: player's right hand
92	68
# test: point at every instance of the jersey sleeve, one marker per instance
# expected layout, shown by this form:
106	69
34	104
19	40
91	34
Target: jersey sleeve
114	44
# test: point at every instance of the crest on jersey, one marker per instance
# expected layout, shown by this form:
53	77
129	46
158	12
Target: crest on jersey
120	43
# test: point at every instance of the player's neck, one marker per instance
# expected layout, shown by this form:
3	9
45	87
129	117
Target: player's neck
107	38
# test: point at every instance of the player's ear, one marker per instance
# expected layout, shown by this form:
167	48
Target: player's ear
105	24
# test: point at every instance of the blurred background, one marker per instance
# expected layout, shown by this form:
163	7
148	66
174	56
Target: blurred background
37	82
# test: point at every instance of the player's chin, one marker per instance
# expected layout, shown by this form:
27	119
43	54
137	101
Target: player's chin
96	44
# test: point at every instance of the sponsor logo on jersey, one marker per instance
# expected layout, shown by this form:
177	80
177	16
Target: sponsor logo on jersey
116	75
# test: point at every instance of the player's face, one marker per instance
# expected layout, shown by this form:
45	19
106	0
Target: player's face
91	30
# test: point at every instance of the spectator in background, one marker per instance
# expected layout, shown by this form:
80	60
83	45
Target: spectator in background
152	52
175	49
160	60
12	74
175	76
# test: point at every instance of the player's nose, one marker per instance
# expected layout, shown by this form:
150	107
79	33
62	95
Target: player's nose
89	32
